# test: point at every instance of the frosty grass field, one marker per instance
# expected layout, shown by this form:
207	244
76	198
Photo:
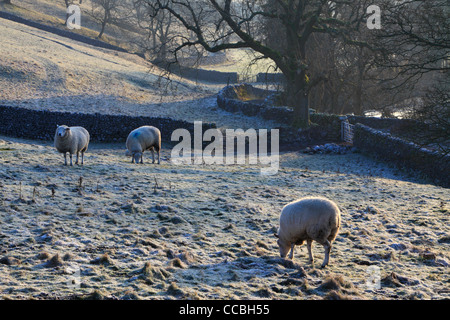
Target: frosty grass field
112	229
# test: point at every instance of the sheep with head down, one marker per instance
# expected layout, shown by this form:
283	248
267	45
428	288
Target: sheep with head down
311	219
72	140
141	139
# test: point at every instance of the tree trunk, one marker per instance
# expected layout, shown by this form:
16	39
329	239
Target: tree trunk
358	94
104	22
301	112
358	100
297	98
67	14
102	30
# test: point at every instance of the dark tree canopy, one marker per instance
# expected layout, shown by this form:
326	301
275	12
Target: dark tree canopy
218	25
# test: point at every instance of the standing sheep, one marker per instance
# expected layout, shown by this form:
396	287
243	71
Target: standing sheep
72	140
308	219
141	139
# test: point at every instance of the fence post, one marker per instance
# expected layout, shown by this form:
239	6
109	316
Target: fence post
346	130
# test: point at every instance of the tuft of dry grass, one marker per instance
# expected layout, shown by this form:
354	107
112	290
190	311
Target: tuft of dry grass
149	273
130	295
177	263
94	295
263	293
337	295
395	280
187	257
335	283
104	259
43	255
54	262
9	261
174	290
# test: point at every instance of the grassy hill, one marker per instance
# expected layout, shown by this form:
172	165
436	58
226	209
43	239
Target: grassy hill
36	11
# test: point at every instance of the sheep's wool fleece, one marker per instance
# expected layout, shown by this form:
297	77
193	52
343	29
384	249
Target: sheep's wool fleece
309	218
78	141
142	138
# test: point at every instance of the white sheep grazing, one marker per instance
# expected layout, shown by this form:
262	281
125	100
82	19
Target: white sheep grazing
141	139
308	219
72	140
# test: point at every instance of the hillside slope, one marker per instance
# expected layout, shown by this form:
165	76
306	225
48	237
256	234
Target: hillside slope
41	70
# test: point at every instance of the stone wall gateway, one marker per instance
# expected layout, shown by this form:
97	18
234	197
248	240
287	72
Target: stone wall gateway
252	101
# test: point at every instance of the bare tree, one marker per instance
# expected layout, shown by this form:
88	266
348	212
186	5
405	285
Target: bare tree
415	37
416	50
396	67
327	56
105	12
415	42
220	25
435	111
157	31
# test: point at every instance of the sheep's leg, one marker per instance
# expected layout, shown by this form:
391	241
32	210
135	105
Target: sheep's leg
142	158
158	150
65	158
82	158
76	161
153	155
70	155
291	255
309	246
327	246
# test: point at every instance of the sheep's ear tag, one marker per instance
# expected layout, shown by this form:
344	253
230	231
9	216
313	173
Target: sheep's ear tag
276	235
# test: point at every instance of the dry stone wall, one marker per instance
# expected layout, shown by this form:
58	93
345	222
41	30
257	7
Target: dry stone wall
41	125
403	153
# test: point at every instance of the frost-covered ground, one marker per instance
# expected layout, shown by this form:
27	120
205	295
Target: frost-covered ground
206	232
